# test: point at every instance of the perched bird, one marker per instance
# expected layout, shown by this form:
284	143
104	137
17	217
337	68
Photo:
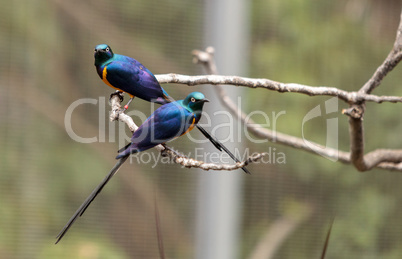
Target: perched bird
166	123
127	75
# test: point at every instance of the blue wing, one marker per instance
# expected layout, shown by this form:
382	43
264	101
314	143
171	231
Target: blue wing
166	123
130	76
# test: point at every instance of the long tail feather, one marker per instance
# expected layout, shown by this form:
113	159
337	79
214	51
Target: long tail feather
217	144
124	148
90	198
220	146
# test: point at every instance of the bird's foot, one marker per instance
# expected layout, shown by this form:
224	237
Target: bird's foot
118	94
176	153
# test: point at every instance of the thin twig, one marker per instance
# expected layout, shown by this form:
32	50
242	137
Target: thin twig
392	60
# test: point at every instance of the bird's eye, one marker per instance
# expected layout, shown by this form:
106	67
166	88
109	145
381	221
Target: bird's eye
107	49
192	99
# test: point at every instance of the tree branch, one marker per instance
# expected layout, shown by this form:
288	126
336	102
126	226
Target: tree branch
207	60
175	156
377	157
382	158
348	97
393	58
356	112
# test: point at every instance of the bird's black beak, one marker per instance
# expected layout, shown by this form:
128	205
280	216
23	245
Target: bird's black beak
205	100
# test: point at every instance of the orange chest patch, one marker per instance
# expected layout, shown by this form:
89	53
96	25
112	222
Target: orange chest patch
190	128
104	79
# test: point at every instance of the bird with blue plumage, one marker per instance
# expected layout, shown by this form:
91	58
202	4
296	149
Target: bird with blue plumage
168	122
126	74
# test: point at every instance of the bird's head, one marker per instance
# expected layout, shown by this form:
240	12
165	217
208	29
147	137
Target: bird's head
195	101
102	54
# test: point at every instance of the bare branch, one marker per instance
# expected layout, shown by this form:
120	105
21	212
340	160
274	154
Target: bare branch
356	111
116	114
366	162
393	58
378	158
207	60
189	162
381	158
349	97
356	137
175	156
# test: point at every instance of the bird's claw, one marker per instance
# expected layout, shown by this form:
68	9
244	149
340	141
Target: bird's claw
119	94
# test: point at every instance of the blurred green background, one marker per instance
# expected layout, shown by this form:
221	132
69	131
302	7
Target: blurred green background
46	64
